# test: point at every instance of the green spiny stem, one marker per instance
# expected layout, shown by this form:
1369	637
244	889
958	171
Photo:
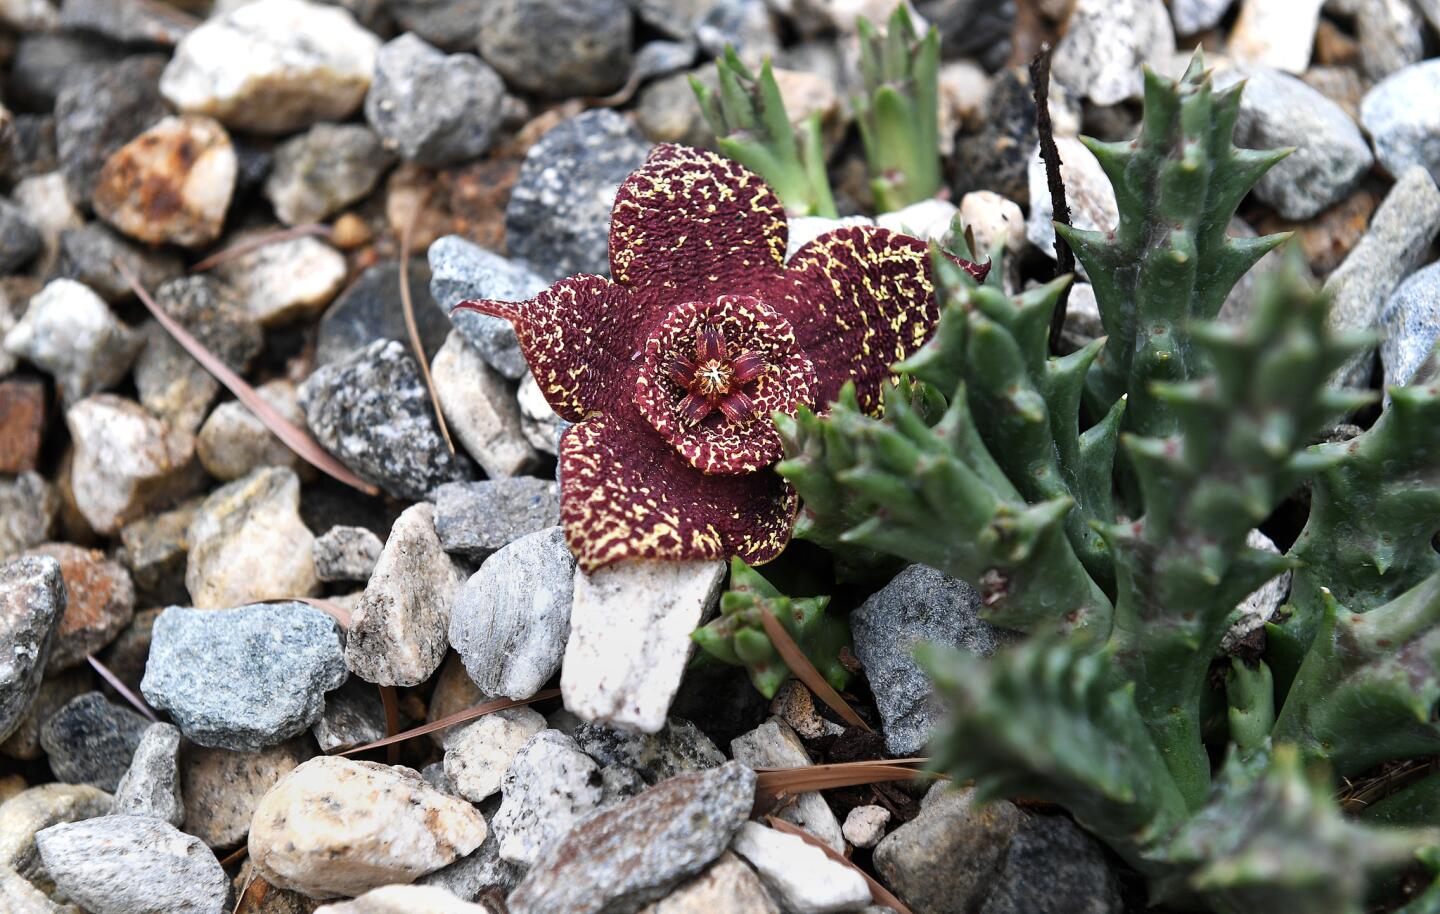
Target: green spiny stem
1251	695
738	637
1169	262
751	126
899	111
1367	690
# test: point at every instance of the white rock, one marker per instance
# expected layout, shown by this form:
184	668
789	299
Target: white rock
20	895
1106	42
126	864
285	280
397	632
248	543
800	876
774	745
538	421
1258	608
993	219
29	15
478	754
549	787
273	66
805	229
865	825
630	626
338	827
1193	16
727	887
45	199
1082	317
928	220
1276	33
126	461
233	442
1087	190
481	409
70	332
404	899
964	90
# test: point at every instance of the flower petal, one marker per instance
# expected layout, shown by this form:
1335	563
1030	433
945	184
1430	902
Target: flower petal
860	299
579	337
696	224
626	493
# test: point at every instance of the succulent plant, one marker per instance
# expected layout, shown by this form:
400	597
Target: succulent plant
738	637
1101	502
899	110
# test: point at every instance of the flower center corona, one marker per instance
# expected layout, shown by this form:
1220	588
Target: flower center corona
713	372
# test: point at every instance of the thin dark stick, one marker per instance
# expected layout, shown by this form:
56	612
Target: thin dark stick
124	690
1050	155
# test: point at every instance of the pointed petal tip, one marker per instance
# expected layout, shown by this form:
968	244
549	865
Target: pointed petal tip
506	310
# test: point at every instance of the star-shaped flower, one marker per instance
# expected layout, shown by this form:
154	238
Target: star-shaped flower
672	370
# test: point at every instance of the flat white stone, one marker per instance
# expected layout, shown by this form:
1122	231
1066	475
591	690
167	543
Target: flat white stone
799	875
630	626
1276	33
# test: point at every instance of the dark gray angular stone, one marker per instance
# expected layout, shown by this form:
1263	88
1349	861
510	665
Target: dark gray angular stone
450	24
559	213
20	241
128	21
461	270
91	741
474	519
679	747
558	48
96	116
245	678
430	107
370	309
1052	867
88	255
919	605
371	410
353	717
45	62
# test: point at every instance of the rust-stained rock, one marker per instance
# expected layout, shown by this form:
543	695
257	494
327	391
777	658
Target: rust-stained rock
22	423
101	602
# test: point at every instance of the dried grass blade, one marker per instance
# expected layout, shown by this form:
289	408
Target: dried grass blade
391	704
334	610
237	855
407	307
294	437
109	676
258	242
805	671
260	887
459	717
790	781
878	892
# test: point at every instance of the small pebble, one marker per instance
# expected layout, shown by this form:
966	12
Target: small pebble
91	741
549	786
353	716
481	410
865	825
774	745
127	462
474	519
346	554
1107	42
323	170
32	601
123	864
799	874
31	811
1275	33
478	754
284	281
234	442
433	108
678	748
460	270
221	788
557	48
68	331
99	602
151	786
1402	116
1411	321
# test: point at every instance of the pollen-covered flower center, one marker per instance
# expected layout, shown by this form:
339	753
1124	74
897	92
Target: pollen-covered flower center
714	372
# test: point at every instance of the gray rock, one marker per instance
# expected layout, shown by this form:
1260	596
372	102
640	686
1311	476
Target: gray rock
32	602
353	716
94	117
1330	157
128	21
919	605
634	853
324	170
1192	16
512	618
1400	232
746	25
371	410
478	754
55	690
774	745
68	331
946	860
91	741
1390	35
460	270
1091	197
474	519
346	554
127	463
282	281
1402	116
397	630
556	48
431	108
20	895
619	783
548	787
20	241
30	811
244	678
88	255
173	385
28	505
799	875
865	825
154	549
542	427
45	62
234	442
1105	44
1411	321
655	757
1052	867
134	865
481	409
676	18
248	543
370	309
222	788
151	786
450	24
559	213
728	886
480	871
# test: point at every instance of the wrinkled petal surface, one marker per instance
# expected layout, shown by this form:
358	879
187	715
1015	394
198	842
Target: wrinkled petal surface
626	493
690	225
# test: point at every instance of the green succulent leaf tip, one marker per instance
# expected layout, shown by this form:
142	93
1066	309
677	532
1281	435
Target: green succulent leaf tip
899	110
737	636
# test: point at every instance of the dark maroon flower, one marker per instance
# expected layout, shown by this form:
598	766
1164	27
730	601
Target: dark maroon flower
672	370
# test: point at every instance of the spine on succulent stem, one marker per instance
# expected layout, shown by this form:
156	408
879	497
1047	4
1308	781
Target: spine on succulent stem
899	111
751	126
1169	261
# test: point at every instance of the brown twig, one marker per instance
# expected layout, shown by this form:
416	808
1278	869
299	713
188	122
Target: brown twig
805	671
878	892
776	782
391	704
459	717
1050	155
258	242
294	437
236	855
407	307
334	610
109	676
